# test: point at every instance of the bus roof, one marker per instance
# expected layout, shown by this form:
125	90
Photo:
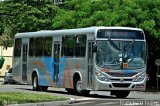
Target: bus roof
88	30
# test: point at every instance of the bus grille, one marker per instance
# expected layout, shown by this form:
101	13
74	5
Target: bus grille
121	85
118	79
121	74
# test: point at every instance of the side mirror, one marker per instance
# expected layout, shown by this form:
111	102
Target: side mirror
94	48
78	39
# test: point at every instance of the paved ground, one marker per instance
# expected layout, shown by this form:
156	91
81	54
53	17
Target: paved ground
96	98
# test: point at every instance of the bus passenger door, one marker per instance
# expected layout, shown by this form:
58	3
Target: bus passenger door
90	64
56	62
24	62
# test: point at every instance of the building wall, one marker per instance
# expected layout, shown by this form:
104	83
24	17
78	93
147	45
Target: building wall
7	54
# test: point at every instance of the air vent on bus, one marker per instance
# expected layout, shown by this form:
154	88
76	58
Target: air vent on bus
118	79
121	85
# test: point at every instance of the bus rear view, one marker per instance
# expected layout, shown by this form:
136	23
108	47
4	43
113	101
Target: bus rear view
120	60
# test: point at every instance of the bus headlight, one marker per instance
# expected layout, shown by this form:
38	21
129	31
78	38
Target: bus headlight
140	77
101	77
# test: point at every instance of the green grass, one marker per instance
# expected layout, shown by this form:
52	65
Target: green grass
7	98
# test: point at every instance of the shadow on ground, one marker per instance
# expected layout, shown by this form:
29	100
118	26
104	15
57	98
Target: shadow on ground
98	96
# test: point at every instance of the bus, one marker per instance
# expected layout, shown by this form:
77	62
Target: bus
81	60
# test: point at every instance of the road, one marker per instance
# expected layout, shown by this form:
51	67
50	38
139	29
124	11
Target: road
96	98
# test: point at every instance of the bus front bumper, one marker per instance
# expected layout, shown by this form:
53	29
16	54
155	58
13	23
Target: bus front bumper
131	86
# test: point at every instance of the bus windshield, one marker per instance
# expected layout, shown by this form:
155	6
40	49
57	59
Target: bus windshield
113	54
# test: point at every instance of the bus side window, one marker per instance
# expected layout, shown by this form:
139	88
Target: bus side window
80	46
68	44
32	47
17	47
39	45
74	45
63	47
48	46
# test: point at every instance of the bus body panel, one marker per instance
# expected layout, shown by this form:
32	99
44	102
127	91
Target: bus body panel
44	69
68	68
133	86
17	74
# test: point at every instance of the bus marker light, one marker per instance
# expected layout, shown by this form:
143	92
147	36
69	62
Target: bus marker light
125	65
105	70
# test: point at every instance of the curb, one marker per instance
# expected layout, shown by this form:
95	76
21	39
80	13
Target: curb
1	81
55	103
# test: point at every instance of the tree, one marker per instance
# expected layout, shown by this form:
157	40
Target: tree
25	16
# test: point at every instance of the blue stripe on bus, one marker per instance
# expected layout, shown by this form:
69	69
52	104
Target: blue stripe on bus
48	62
45	68
45	71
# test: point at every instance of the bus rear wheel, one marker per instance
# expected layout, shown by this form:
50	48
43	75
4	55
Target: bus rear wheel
35	83
120	94
36	86
43	88
77	87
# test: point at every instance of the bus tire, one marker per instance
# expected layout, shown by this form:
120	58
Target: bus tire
43	88
70	91
77	87
120	94
35	83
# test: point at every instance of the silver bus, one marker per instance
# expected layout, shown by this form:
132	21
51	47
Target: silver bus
83	59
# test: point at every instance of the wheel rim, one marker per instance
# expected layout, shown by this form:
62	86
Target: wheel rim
35	82
78	85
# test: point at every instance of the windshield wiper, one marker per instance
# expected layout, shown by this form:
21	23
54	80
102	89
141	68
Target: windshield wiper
127	50
115	46
130	45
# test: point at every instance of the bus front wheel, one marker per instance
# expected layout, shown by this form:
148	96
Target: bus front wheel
120	94
77	87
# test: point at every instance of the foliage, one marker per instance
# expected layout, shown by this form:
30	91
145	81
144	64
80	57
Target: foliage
33	15
25	16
